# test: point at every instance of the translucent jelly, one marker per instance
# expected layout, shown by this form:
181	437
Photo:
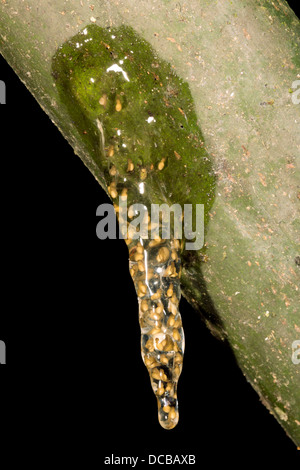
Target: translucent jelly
135	124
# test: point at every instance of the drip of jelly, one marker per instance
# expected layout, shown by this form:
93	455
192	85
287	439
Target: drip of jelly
155	267
136	120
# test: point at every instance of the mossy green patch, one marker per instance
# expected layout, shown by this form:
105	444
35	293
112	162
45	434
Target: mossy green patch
279	9
128	104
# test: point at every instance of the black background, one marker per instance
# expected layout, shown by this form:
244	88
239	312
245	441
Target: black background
69	319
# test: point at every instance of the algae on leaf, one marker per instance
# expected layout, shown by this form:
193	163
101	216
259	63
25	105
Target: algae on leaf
113	76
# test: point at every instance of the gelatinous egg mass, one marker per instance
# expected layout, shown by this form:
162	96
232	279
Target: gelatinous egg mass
137	122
